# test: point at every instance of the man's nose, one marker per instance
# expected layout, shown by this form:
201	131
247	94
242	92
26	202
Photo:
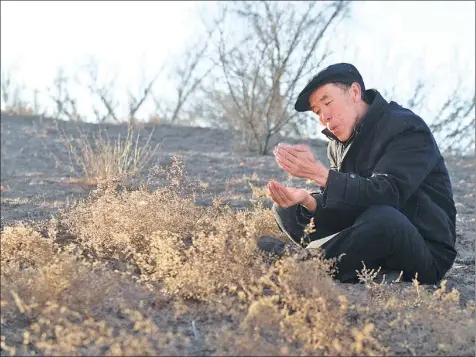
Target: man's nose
326	117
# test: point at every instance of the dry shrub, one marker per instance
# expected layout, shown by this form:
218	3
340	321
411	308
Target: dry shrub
99	158
59	304
295	308
195	251
43	272
61	331
65	332
416	321
22	248
147	272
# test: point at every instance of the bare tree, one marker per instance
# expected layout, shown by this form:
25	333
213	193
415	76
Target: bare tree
103	92
65	105
455	122
12	94
188	78
188	72
137	101
285	42
36	107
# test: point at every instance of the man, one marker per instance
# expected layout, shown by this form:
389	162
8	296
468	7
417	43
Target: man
386	200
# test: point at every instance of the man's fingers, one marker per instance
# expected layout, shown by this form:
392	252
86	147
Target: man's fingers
285	167
286	164
302	148
284	160
280	194
276	195
287	152
298	147
286	157
294	153
302	155
271	192
283	195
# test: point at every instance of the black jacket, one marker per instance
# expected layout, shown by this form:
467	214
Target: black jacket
392	159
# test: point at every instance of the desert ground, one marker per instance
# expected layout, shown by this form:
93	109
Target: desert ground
38	183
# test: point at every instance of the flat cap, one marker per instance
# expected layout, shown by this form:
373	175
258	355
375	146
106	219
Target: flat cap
338	72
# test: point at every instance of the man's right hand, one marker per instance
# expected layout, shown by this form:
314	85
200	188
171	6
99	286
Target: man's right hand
288	196
299	161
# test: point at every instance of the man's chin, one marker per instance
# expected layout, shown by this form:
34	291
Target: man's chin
342	137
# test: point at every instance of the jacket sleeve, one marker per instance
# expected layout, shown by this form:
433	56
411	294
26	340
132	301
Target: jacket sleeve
407	160
304	216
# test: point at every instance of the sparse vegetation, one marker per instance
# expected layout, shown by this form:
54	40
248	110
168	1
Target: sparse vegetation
147	272
96	157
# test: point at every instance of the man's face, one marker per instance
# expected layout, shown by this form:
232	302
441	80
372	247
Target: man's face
336	108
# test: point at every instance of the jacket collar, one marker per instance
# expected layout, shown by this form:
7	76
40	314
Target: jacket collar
374	113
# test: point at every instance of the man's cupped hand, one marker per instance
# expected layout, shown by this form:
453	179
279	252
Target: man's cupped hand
286	196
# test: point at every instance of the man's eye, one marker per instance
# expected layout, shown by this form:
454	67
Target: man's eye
329	102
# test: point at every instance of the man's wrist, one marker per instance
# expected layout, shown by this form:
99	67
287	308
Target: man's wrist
321	178
310	204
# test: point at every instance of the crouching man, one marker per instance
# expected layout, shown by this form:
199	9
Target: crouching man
386	200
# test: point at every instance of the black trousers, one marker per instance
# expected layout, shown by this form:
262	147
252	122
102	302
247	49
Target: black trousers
380	237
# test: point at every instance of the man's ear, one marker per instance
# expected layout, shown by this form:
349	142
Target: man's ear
356	92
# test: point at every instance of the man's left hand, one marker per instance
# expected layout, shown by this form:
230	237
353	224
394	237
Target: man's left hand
289	196
299	161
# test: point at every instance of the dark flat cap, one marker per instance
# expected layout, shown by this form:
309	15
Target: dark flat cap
339	72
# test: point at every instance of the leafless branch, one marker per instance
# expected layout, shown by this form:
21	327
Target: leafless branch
103	92
262	74
59	93
12	95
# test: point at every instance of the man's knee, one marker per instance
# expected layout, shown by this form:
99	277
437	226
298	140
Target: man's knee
381	211
384	216
286	218
284	214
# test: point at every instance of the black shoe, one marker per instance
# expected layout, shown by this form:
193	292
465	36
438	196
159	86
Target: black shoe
271	245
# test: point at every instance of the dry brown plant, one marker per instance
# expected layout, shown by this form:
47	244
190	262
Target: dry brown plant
99	157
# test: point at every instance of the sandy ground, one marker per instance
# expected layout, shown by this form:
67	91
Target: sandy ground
36	173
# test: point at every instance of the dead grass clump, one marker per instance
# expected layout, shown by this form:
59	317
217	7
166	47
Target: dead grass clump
98	157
